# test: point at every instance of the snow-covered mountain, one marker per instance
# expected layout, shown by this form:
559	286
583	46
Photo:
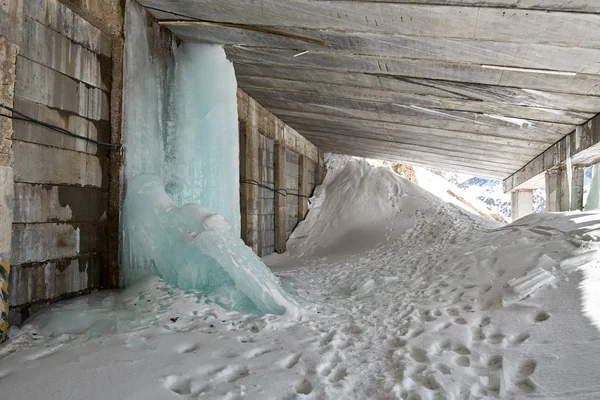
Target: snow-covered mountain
490	192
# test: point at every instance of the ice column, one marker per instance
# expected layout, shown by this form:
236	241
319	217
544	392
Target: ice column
180	216
203	161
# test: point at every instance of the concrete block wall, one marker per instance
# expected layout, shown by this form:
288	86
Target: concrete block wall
64	229
292	177
267	144
266	221
10	37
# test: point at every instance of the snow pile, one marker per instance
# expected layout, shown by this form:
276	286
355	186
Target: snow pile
363	204
438	305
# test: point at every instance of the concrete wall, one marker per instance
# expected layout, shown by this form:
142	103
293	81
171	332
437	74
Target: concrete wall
271	153
68	73
10	37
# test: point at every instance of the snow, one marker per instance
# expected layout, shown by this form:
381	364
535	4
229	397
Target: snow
404	296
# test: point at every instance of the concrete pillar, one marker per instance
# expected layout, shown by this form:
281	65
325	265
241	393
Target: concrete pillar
11	17
280	234
577	188
321	169
303	187
557	190
521	203
115	188
251	174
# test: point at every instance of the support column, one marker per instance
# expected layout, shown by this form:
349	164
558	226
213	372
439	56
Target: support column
577	188
321	169
521	203
280	236
252	174
10	37
303	187
557	190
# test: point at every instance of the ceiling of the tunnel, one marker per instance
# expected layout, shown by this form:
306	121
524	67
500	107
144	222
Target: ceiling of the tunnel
474	86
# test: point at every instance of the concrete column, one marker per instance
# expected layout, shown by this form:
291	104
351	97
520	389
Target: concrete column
521	203
557	190
252	174
577	188
303	187
280	236
115	184
321	169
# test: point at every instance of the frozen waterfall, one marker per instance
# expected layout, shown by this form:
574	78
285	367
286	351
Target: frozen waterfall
180	216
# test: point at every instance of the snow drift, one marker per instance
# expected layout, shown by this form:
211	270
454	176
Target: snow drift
436	305
361	205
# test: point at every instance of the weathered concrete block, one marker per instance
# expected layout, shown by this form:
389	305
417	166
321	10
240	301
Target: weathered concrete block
49	203
11	19
63	20
43	242
43	85
8	56
51	49
6	210
28	132
38	164
51	280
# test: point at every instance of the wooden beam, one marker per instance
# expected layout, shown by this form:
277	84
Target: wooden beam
584	84
426	87
493	24
399	103
471	50
205	23
583	145
543	132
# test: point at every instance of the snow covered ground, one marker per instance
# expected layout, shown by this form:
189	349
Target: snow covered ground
404	296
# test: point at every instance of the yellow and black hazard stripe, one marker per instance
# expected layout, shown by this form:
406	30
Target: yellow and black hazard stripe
4	271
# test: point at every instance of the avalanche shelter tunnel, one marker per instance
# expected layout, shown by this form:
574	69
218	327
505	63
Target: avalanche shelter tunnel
504	89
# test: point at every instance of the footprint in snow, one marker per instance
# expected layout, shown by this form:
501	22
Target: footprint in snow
418	354
233	372
496	338
290	361
304	387
542	316
521	338
462	361
178	384
494	363
526	369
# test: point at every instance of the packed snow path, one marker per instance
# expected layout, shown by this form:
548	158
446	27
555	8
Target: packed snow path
406	297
